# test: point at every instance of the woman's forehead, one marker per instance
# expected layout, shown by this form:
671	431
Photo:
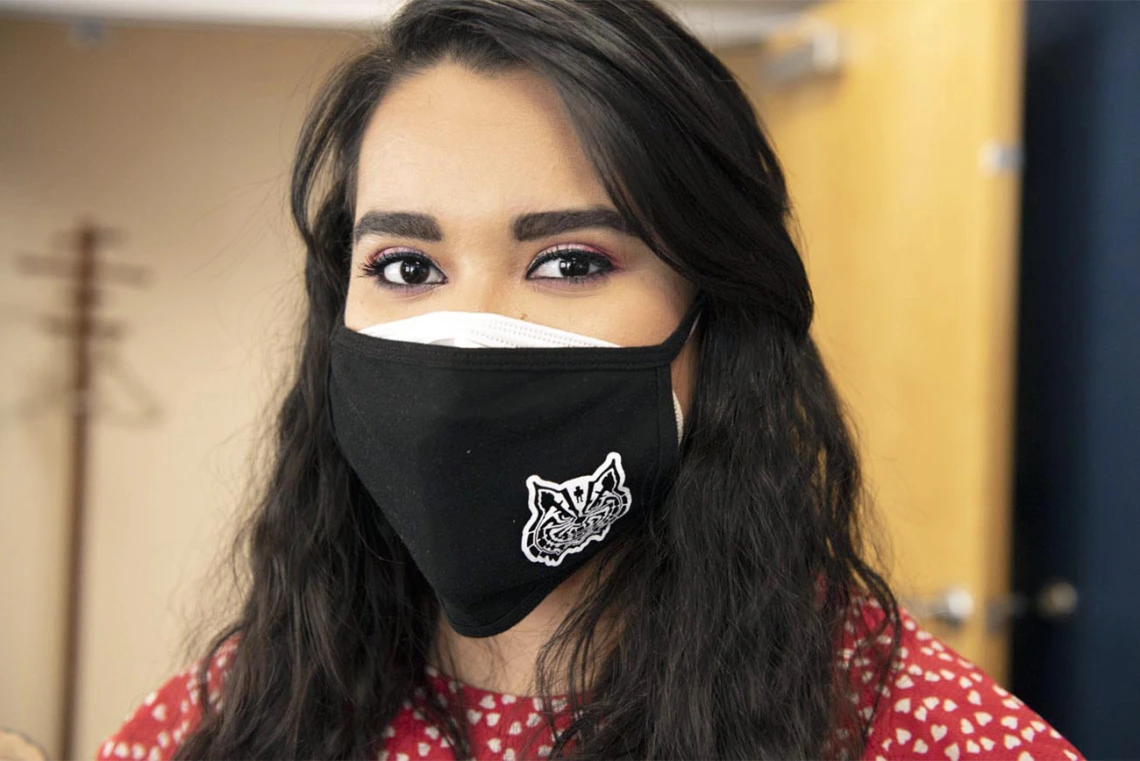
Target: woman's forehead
449	137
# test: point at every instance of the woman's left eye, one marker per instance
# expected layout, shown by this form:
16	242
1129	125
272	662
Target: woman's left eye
570	264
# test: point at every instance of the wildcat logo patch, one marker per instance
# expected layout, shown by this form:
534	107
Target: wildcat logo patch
565	517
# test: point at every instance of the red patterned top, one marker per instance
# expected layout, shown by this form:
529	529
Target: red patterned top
937	706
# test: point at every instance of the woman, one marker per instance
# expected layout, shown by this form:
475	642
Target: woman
561	473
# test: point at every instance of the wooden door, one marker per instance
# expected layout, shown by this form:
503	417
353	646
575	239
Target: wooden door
903	172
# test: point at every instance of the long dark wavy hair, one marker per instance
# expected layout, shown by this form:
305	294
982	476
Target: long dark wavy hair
734	600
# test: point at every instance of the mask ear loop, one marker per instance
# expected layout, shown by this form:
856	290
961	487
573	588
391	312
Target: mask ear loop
676	340
338	322
695	314
328	396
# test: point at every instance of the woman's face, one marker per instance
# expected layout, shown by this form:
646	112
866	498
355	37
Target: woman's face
465	161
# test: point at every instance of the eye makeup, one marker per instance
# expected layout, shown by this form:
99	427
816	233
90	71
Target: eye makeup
576	264
564	265
404	263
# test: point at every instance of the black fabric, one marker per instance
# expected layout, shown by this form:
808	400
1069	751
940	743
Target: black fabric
456	444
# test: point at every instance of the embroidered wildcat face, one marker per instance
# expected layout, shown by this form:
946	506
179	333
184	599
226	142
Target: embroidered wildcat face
565	517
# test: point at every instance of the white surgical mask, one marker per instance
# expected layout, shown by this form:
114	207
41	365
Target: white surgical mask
475	330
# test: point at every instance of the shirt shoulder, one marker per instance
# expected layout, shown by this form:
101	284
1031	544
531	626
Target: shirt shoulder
940	705
153	729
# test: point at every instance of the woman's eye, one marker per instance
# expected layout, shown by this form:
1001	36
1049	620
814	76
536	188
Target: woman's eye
402	270
405	269
570	265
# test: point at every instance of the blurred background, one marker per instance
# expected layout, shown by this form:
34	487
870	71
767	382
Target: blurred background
965	180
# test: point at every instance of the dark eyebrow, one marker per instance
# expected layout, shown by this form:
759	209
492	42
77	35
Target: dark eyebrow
525	226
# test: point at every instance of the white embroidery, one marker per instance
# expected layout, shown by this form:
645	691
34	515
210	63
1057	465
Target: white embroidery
565	517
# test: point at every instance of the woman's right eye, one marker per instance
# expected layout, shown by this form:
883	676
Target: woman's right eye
402	270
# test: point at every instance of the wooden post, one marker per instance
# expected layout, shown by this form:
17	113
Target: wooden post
81	327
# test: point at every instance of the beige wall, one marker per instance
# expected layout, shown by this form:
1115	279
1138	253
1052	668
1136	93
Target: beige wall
181	138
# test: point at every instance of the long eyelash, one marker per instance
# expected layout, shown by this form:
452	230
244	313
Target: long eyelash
373	268
607	266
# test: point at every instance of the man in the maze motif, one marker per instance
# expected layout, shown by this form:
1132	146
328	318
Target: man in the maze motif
565	517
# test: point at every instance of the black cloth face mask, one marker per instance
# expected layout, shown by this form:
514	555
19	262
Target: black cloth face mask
504	470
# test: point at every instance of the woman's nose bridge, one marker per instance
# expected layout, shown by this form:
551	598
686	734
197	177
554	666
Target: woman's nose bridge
483	292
